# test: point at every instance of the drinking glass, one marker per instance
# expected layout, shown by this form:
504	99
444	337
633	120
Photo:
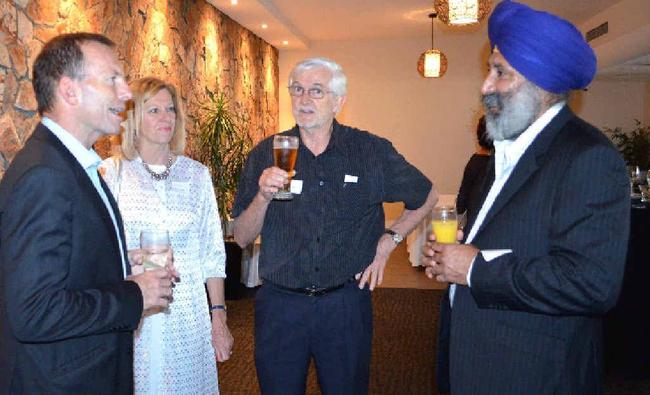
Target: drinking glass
645	193
155	248
445	224
285	153
642	178
633	173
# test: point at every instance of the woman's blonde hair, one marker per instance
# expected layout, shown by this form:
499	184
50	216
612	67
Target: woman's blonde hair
144	89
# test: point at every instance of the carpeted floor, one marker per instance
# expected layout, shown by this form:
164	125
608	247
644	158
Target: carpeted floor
405	322
403	345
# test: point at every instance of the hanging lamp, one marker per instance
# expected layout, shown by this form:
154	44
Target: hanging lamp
432	63
462	12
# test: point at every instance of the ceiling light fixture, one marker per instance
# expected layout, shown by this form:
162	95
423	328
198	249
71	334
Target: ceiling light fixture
233	2
432	63
285	42
264	26
462	12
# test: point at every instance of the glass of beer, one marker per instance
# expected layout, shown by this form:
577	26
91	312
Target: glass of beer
285	153
445	224
155	248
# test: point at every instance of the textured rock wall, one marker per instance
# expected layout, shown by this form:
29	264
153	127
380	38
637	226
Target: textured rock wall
187	42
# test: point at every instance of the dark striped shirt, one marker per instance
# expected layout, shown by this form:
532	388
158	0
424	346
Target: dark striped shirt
330	230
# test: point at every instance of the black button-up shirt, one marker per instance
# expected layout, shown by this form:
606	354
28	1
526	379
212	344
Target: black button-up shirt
329	231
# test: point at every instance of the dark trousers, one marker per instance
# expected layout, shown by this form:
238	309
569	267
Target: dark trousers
334	329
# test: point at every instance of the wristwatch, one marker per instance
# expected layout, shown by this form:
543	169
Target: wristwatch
397	238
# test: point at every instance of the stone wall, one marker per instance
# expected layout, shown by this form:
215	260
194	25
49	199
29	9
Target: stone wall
186	42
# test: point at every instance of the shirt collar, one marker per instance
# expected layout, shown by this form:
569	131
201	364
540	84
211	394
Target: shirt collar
87	158
337	139
508	152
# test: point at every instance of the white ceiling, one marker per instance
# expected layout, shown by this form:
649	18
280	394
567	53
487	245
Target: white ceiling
294	24
637	69
302	21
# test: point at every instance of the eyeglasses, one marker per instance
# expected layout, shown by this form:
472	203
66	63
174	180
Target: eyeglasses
314	93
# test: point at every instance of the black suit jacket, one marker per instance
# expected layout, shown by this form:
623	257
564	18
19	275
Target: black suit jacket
531	321
67	315
473	177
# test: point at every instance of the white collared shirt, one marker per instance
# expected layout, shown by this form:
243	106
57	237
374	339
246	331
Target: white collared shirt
89	160
86	157
506	156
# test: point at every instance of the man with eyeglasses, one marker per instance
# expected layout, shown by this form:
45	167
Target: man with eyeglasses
321	249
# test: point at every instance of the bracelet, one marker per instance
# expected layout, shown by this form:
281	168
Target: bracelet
218	307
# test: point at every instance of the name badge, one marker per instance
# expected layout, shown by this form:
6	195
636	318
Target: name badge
296	187
349	178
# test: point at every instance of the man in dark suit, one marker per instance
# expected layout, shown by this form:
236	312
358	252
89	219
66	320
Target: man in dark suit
545	252
66	312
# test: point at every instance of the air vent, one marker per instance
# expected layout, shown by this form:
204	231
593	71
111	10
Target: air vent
596	32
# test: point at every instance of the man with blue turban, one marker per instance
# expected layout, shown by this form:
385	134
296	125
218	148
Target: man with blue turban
544	255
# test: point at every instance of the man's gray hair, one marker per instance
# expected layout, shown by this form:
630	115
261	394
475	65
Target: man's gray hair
339	82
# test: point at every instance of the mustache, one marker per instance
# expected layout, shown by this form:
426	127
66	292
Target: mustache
492	100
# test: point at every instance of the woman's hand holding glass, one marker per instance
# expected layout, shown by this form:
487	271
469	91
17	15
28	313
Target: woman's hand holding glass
155	252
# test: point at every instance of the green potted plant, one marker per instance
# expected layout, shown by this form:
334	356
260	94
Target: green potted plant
223	144
634	145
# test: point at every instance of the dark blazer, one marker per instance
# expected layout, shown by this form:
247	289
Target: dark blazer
473	176
531	321
66	313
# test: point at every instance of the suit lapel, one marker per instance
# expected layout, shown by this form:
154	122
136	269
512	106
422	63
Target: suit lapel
528	164
86	185
118	219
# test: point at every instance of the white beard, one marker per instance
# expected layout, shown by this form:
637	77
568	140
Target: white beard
515	111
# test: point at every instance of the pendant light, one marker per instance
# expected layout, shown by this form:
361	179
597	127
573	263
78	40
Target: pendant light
432	63
462	12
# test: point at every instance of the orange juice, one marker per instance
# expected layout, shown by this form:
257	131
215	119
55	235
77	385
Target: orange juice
445	231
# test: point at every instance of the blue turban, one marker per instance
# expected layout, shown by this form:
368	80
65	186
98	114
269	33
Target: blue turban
546	49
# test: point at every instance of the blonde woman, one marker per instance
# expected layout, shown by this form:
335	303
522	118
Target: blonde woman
156	187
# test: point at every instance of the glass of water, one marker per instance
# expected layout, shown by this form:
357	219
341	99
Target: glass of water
155	248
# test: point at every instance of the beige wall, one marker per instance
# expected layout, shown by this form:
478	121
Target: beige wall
431	122
612	103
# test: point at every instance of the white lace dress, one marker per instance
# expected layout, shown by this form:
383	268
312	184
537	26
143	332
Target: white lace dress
173	351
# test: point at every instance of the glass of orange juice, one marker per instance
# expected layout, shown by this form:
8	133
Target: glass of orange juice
445	224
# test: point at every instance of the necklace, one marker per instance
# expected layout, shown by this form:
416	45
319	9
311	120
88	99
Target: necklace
159	176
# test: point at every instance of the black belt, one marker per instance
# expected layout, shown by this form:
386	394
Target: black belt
311	291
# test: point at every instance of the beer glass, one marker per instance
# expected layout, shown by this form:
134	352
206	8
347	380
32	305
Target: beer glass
285	153
445	224
155	248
